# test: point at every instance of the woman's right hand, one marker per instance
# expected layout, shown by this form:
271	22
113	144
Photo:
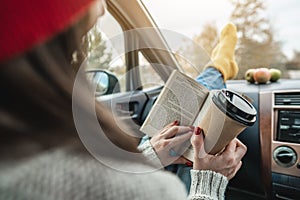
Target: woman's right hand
227	163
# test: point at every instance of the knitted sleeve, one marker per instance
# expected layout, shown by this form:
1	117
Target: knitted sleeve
207	185
148	151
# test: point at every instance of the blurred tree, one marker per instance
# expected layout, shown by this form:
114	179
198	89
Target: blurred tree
256	45
208	38
198	50
97	53
294	63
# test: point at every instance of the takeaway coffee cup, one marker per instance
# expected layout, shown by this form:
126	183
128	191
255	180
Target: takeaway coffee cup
228	115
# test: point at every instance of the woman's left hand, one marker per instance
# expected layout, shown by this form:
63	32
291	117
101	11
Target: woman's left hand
171	142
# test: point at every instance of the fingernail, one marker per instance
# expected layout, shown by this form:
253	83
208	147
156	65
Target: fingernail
192	127
189	164
198	130
175	122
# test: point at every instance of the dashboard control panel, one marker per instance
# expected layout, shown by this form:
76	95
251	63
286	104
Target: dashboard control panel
285	144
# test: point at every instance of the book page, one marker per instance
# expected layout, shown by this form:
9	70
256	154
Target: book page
181	99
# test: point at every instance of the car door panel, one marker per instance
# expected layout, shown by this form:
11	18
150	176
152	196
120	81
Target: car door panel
135	105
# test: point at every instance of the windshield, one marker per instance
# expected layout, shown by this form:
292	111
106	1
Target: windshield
267	30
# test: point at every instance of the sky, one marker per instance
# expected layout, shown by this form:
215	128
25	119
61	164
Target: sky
188	16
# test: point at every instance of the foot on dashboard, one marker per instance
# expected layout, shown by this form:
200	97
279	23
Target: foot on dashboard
223	57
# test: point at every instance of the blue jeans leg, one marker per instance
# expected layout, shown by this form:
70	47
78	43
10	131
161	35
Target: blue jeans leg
212	79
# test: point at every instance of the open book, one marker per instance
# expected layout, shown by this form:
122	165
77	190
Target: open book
182	99
222	114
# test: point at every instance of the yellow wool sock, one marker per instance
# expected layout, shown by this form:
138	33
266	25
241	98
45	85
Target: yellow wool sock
223	55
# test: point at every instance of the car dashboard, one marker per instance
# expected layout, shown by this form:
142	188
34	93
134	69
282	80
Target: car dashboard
271	167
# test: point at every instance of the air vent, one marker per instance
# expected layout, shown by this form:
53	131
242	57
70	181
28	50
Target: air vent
287	99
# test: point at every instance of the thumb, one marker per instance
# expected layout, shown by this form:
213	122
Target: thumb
197	141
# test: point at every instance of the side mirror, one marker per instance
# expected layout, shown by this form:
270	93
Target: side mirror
106	83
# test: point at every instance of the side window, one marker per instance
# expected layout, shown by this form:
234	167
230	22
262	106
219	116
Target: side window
105	47
101	53
149	76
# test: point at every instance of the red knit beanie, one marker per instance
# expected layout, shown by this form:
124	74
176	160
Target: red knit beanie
26	23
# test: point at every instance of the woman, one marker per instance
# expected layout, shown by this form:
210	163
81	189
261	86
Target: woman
41	154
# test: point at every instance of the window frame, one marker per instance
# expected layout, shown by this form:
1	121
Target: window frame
140	18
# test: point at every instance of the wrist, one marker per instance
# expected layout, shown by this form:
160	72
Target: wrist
148	151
